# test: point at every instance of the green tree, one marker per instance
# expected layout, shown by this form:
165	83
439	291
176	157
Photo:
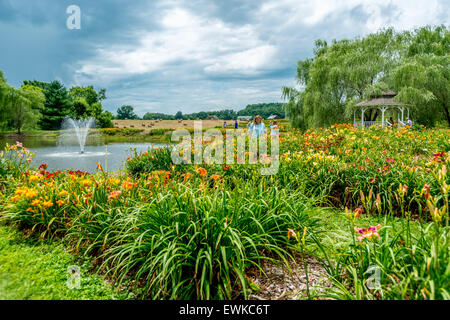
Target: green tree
4	90
88	103
153	116
263	109
415	64
178	115
24	105
81	108
423	77
294	107
126	112
104	120
337	76
57	106
88	93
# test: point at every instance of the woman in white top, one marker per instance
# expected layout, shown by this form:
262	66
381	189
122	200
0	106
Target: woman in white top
249	127
274	128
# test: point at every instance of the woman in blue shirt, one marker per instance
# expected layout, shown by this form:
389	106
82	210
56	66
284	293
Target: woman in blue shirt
258	128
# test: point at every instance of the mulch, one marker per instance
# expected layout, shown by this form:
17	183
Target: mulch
278	283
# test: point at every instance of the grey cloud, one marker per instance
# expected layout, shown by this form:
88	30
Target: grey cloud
225	53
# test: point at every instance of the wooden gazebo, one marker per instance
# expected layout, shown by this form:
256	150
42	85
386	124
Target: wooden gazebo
383	102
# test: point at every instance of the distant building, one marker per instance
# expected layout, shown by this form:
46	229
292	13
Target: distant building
212	117
273	117
244	118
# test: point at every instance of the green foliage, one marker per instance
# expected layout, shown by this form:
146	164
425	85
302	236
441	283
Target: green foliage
263	109
154	160
80	108
104	120
37	270
89	94
14	160
4	90
200	244
126	132
79	102
415	64
294	107
178	115
423	77
154	116
23	106
58	104
185	232
337	76
126	112
87	102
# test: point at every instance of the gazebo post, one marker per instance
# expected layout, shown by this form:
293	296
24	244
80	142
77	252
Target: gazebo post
362	118
383	109
354	118
403	109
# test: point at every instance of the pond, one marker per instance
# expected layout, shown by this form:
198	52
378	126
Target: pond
111	156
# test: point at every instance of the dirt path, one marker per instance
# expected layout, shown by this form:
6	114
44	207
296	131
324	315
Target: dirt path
280	284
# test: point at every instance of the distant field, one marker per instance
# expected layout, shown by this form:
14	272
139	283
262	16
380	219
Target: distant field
172	124
167	124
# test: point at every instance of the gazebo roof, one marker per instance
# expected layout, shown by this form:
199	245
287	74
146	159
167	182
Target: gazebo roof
386	99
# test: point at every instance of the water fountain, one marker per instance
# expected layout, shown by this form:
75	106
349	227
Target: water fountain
80	148
78	128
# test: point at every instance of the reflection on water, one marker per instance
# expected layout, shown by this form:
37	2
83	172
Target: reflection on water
111	157
30	141
77	154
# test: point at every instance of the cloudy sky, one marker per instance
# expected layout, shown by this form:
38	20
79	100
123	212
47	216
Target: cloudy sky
188	55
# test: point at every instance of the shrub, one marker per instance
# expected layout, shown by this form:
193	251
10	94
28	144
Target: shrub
14	160
153	160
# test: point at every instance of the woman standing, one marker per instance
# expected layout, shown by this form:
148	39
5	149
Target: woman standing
249	127
258	128
274	129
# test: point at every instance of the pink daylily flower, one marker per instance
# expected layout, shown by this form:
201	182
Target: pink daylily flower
370	233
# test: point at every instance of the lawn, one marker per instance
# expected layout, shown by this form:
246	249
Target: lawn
32	269
366	211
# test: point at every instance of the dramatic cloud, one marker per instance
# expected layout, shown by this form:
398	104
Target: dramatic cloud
215	47
188	55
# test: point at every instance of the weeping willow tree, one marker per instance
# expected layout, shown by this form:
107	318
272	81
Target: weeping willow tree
294	107
345	72
337	76
25	105
19	108
423	77
4	90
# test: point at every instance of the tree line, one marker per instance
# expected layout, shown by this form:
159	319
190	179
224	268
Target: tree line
44	105
263	109
415	64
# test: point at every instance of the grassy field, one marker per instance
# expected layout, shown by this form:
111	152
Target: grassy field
33	269
176	124
366	211
167	124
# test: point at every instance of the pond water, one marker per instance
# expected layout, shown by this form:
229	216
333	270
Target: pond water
111	156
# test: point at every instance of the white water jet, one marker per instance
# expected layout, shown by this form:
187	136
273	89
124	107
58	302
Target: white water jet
78	128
